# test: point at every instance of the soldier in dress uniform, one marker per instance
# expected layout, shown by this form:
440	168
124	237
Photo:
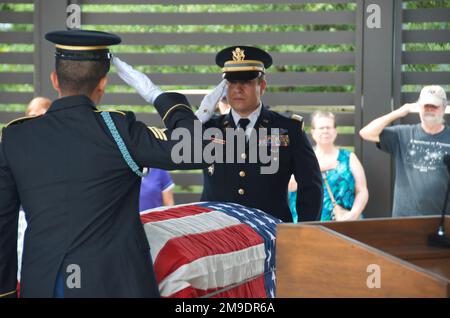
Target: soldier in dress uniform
77	171
244	71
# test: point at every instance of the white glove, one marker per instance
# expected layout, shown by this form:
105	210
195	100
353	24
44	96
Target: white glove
209	102
138	80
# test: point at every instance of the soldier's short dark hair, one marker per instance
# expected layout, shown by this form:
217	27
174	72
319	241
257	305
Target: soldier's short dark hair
80	77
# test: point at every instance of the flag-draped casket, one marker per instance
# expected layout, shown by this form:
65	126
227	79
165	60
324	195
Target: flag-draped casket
212	249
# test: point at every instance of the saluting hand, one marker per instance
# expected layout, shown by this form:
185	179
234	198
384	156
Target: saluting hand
406	109
209	102
138	80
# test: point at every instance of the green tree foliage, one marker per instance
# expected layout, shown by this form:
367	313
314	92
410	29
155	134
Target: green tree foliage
208	66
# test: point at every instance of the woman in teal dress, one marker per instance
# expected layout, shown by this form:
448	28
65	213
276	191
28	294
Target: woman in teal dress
341	170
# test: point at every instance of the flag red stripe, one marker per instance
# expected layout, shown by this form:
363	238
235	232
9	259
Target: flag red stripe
185	249
173	213
251	289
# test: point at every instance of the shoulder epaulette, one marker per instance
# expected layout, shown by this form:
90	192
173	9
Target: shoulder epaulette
21	120
298	118
110	111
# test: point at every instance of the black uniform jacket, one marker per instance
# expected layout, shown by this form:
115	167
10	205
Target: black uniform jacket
244	183
81	199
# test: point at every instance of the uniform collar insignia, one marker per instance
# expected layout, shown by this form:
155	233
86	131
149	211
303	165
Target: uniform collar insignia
228	120
264	117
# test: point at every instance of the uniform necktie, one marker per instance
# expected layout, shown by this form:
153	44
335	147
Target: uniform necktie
243	123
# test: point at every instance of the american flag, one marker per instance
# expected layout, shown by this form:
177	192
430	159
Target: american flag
212	249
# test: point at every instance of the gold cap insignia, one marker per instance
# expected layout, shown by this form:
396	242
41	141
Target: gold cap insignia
238	55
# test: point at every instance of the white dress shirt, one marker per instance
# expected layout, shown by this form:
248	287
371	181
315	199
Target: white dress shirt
253	117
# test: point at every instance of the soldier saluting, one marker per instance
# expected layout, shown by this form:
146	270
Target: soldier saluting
76	171
237	178
242	182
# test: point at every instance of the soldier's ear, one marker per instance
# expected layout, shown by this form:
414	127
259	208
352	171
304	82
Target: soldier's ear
263	86
55	82
99	90
101	86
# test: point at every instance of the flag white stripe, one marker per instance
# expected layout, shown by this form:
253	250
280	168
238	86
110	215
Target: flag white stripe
160	232
215	271
164	208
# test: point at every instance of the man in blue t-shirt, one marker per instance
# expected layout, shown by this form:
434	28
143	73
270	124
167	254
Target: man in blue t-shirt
421	176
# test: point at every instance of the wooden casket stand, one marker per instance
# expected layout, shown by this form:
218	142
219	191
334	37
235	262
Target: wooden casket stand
364	258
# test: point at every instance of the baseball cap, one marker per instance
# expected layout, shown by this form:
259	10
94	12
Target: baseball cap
434	95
